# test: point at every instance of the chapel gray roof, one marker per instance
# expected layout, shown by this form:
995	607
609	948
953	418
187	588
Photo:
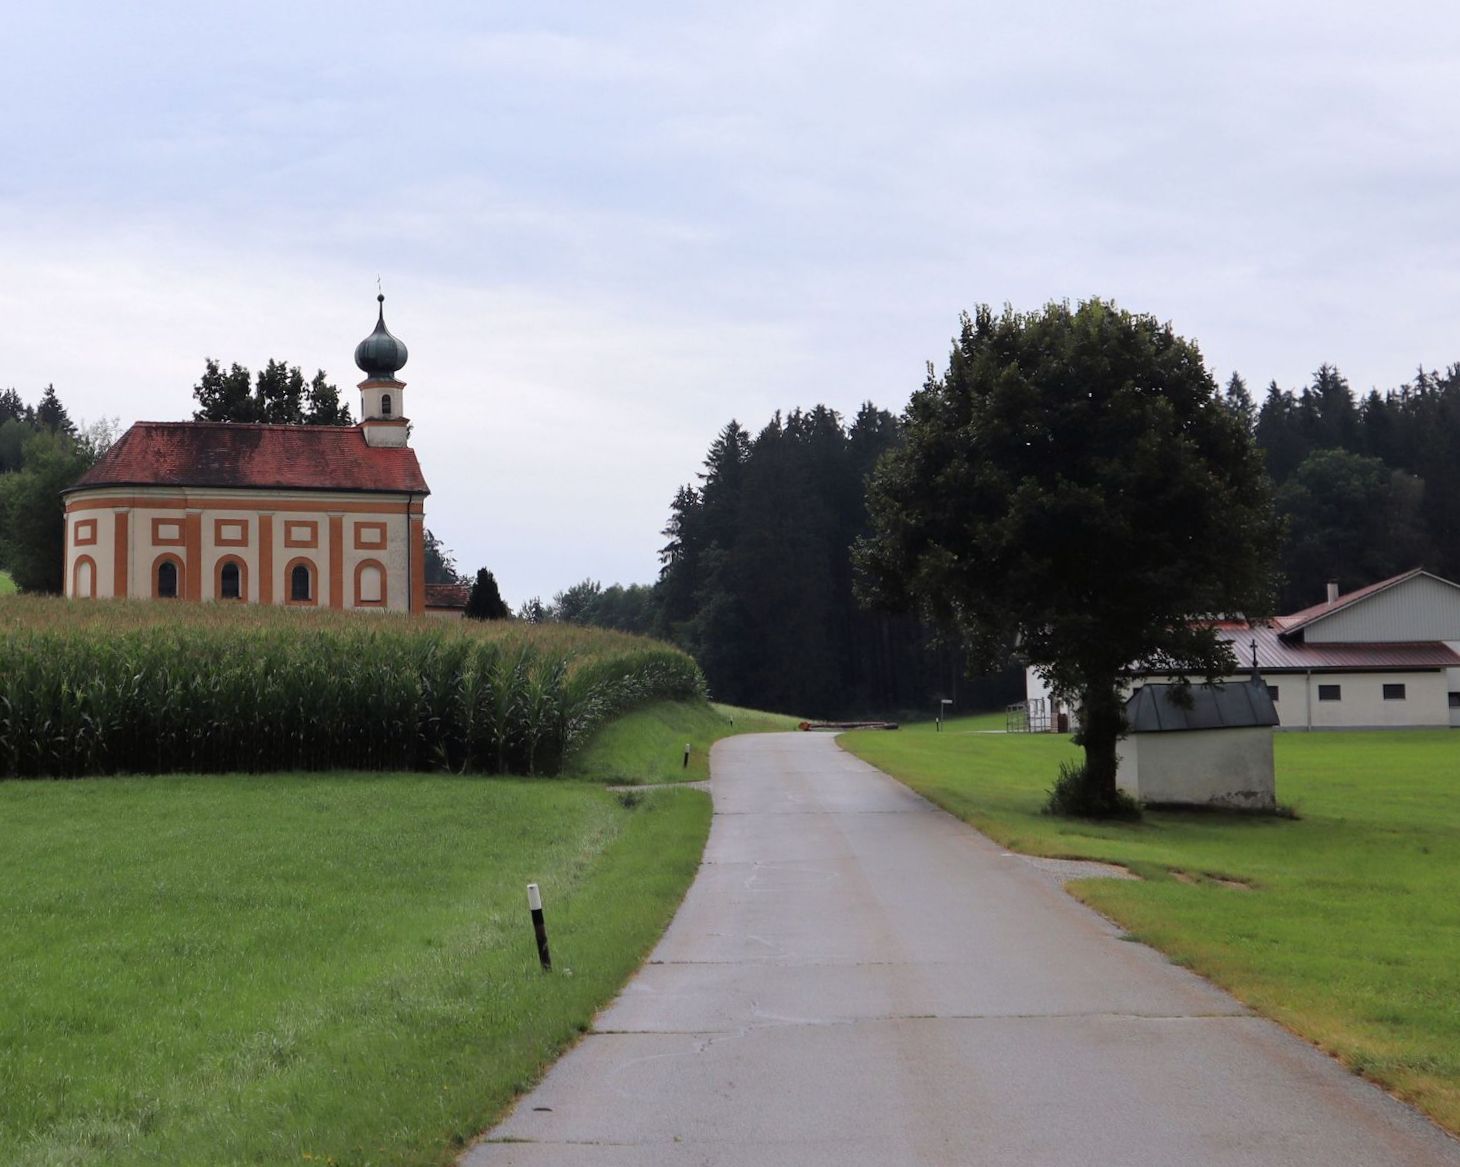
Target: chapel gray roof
1225	705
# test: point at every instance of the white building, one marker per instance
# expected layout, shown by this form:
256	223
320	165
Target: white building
1385	656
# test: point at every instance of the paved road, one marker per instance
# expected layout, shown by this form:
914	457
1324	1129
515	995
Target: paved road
858	978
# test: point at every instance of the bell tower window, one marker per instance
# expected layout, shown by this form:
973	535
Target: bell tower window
385	405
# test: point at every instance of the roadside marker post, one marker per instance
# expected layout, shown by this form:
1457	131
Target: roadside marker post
686	755
539	927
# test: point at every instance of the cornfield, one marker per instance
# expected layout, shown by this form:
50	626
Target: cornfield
110	687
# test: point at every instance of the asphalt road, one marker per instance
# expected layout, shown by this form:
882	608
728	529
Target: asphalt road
857	978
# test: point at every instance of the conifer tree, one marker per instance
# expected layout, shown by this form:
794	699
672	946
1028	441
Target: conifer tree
51	415
485	602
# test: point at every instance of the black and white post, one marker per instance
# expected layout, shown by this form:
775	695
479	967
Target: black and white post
539	927
686	756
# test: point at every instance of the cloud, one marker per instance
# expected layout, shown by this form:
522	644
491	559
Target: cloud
606	231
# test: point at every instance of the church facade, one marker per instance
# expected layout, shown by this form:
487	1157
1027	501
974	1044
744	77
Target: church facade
309	516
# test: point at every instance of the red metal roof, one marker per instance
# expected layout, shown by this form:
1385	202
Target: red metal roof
234	454
1274	654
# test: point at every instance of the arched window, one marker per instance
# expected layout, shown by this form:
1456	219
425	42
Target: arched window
301	581
167	580
385	405
229	582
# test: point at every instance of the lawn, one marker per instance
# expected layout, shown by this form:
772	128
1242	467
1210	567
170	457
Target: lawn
1344	924
322	968
7	585
647	745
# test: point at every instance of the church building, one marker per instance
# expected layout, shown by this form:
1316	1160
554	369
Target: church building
307	515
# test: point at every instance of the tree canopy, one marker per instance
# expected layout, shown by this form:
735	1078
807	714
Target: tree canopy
1075	485
484	601
1370	487
757	575
278	395
440	562
41	453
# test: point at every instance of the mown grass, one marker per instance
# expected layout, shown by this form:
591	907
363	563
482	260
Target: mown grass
647	745
7	585
308	968
102	687
1344	925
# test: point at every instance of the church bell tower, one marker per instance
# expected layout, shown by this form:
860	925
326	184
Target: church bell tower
380	357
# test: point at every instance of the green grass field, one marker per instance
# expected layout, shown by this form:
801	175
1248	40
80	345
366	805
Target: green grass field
7	585
268	969
1343	925
647	745
320	968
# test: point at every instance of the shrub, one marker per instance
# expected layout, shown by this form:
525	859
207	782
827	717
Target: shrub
1073	795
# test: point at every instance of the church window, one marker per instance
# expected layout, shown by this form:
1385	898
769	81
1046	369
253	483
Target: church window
299	583
385	405
229	582
85	583
167	580
369	584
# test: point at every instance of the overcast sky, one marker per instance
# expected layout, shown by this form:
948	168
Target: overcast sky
604	230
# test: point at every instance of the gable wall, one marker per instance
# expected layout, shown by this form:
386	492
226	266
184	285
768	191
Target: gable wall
1421	608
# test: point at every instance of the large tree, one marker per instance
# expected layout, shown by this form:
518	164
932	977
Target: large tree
1349	519
1075	486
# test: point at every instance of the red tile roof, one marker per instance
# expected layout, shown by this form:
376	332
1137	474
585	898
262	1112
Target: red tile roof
447	595
263	457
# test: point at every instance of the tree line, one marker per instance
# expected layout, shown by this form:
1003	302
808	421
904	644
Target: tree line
277	395
1367	487
756	579
42	451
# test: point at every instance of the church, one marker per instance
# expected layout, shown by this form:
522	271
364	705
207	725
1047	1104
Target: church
302	515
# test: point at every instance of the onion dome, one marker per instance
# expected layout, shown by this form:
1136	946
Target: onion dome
380	355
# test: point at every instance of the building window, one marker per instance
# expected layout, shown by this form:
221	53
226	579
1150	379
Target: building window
84	582
1272	691
1330	692
299	584
1455	700
229	583
167	580
385	405
1393	692
370	584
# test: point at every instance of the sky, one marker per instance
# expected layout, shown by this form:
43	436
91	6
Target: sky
605	230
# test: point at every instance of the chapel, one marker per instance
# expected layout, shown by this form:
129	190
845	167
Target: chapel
310	515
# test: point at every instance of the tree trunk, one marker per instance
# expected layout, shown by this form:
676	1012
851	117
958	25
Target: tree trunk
1102	720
